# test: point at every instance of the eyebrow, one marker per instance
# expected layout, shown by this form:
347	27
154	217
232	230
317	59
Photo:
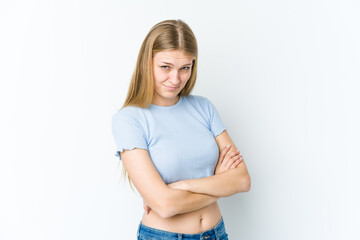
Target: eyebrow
187	64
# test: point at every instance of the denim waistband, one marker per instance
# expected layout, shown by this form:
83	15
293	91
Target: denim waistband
217	232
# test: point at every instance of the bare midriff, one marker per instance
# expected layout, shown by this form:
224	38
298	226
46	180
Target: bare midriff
193	222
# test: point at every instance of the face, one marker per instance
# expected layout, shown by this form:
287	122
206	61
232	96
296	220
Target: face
172	69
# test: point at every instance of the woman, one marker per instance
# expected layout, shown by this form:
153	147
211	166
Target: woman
173	145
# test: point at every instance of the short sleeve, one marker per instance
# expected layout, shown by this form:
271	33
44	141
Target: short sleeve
216	124
127	133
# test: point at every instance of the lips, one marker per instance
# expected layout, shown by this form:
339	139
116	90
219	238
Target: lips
171	88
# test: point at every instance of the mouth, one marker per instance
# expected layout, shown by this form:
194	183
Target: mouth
171	88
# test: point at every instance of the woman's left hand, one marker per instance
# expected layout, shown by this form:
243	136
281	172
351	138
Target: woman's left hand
146	207
228	160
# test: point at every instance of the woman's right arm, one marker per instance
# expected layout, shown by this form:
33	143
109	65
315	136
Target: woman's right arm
164	201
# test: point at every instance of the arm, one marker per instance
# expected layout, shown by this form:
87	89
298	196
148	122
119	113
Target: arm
230	182
221	185
164	201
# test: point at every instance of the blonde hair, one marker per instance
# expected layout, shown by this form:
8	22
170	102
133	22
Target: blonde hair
165	35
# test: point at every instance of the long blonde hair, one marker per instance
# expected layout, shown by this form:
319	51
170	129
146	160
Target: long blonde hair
165	35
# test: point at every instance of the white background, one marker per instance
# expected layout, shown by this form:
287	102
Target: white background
284	76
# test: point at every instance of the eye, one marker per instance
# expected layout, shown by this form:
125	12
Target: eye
185	68
164	67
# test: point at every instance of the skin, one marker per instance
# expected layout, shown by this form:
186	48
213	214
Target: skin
188	206
172	70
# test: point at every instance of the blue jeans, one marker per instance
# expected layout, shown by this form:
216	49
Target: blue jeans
216	233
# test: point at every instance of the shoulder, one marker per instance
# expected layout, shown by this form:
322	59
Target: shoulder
200	102
130	114
193	97
197	99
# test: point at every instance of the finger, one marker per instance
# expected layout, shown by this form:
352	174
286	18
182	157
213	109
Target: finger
231	161
238	158
232	153
224	152
235	164
229	155
146	208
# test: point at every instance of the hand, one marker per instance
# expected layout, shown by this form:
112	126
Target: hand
180	185
146	207
228	160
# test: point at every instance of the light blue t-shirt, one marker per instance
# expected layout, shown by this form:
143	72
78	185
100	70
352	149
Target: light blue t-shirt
180	138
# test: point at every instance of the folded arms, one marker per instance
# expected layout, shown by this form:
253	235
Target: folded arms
230	177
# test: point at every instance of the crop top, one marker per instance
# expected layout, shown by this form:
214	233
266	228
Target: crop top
180	139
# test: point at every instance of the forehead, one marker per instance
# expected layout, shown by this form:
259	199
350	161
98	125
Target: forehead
173	55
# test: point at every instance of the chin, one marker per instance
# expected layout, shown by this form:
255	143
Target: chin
170	93
170	96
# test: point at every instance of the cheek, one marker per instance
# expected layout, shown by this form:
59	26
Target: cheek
185	76
158	76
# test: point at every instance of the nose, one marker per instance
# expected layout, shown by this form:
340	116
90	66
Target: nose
174	78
